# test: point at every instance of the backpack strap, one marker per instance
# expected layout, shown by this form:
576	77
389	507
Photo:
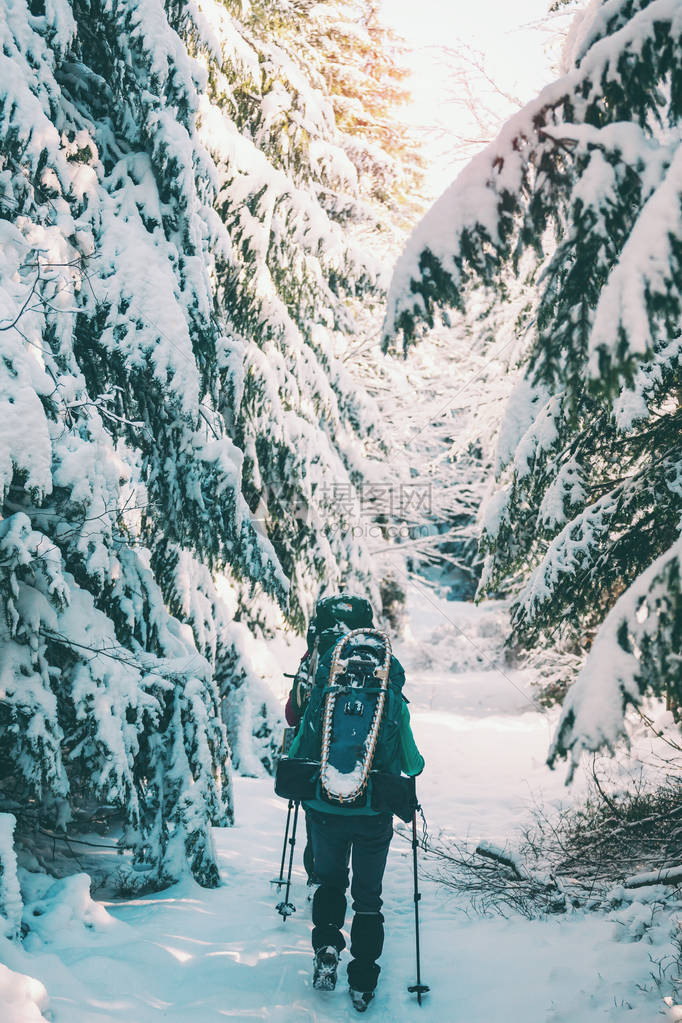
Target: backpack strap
312	664
304	680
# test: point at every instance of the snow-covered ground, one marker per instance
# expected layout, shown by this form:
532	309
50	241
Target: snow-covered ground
188	955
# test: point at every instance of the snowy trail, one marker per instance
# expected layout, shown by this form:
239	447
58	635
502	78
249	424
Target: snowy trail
189	955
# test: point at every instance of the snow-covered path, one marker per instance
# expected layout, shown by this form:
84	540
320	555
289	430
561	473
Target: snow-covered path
189	955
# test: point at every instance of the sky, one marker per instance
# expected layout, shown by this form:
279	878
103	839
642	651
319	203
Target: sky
519	56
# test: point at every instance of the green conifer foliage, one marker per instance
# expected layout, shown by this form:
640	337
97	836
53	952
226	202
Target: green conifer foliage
586	525
359	59
175	275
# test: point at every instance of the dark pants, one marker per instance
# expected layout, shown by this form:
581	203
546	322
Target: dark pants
361	841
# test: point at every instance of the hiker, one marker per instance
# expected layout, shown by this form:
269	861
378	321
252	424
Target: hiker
333	617
351	831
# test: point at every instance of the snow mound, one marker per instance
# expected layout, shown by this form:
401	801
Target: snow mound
62	912
22	998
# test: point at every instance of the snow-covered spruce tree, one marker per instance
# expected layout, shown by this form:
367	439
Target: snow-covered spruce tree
588	516
111	350
300	279
170	288
357	180
360	60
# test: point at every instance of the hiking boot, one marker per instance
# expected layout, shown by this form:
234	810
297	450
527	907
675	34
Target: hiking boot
324	970
360	999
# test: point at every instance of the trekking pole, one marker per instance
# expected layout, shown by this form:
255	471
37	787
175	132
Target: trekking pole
279	881
419	988
286	908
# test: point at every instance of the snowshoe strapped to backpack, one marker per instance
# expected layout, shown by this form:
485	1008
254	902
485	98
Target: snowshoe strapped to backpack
354	702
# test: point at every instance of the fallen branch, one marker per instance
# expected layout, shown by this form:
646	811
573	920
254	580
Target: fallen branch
666	875
507	859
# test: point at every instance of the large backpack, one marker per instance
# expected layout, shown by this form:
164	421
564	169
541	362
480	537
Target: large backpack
334	617
352	723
